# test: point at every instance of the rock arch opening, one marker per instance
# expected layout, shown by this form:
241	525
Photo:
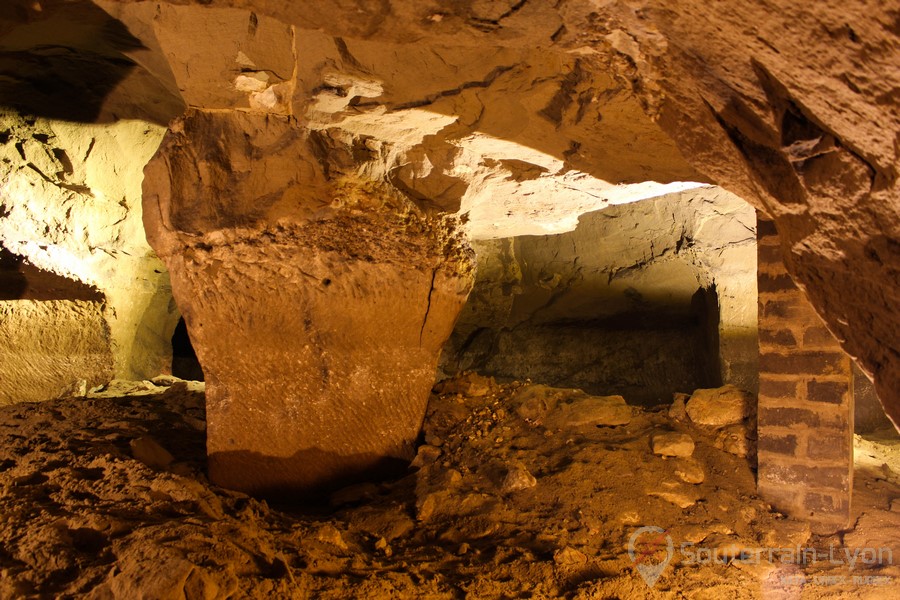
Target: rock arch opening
644	300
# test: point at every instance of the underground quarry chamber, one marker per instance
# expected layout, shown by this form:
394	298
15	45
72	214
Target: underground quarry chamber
490	300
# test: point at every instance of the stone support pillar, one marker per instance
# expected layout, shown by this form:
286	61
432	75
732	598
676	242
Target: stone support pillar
317	303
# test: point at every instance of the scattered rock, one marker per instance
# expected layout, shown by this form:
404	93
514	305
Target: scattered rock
121	387
630	517
596	488
426	455
734	440
77	389
689	471
165	380
729	547
569	557
676	494
678	499
677	410
699	533
718	407
748	514
518	478
787	533
468	384
565	407
672	444
433	440
426	508
450	478
606	411
329	534
388	523
534	402
384	547
148	451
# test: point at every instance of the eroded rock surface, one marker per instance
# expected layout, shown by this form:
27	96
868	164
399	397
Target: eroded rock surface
718	407
496	102
70	227
50	345
317	306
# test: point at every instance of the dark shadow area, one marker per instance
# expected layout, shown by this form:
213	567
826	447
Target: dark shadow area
22	281
185	364
306	478
643	356
705	310
67	61
868	413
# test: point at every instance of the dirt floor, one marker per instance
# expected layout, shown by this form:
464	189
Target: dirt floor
516	493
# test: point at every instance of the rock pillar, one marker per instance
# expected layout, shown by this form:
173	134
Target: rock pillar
317	303
805	401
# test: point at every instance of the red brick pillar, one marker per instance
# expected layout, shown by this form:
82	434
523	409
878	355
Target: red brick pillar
805	400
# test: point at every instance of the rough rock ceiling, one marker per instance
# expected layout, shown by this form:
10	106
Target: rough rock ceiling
794	107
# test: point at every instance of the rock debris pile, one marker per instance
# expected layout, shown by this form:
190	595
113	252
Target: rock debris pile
519	490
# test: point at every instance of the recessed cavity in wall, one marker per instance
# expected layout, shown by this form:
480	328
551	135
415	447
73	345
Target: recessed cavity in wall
643	299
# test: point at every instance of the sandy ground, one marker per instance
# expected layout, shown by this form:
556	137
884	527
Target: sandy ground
514	494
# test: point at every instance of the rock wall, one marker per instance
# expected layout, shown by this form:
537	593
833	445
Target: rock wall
48	346
69	199
797	113
643	300
518	117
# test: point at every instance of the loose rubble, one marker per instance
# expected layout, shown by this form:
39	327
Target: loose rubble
510	496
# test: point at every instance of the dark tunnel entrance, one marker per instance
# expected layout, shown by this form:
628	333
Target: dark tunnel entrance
185	364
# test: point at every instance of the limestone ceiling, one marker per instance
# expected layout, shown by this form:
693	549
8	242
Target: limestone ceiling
519	138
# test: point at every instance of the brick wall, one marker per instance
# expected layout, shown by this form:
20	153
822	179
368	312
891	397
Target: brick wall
805	400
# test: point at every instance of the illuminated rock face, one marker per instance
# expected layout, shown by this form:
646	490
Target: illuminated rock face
522	116
318	308
70	218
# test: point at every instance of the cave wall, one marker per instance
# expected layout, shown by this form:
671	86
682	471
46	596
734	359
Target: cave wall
50	347
517	117
612	307
796	113
70	199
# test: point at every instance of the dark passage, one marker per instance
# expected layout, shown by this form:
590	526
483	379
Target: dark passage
184	360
